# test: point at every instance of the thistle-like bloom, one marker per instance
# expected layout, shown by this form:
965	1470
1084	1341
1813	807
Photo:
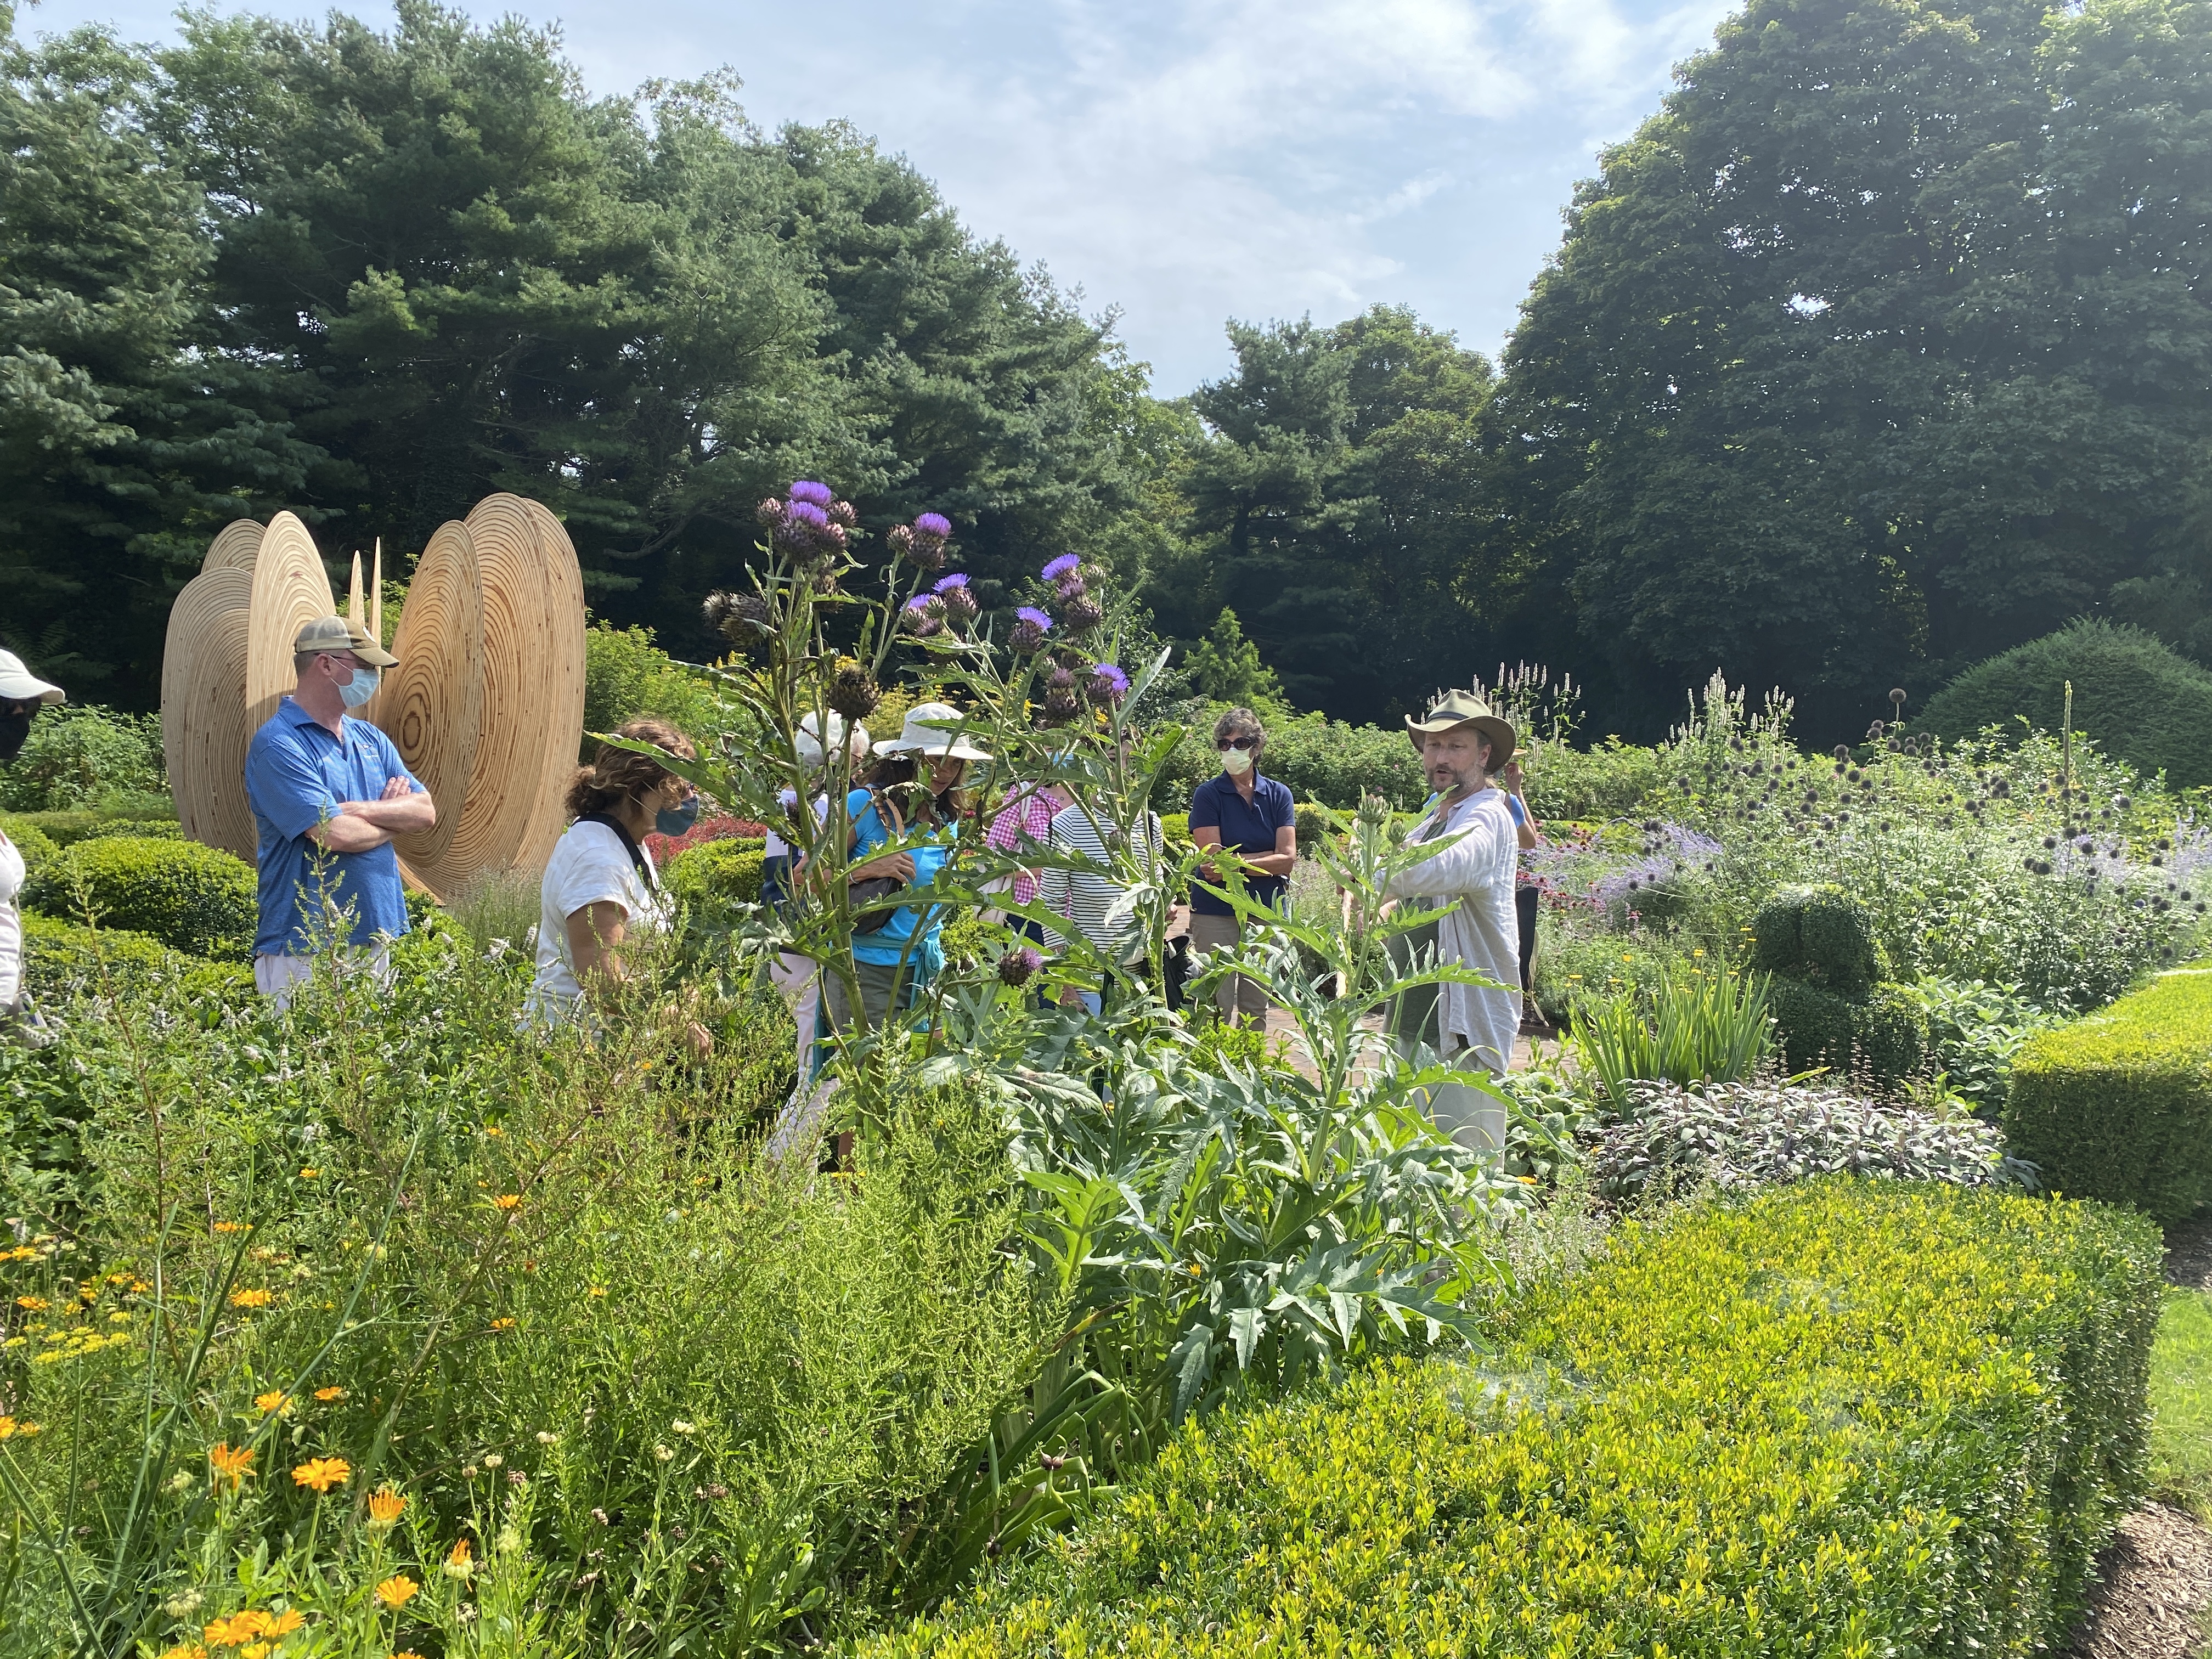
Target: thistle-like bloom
808	514
814	495
842	515
960	605
946	583
740	618
924	616
322	1474
1018	967
1029	631
923	541
1108	684
769	512
932	523
1081	615
1066	565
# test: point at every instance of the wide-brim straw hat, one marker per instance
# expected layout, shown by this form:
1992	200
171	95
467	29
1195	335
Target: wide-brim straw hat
1465	708
19	685
930	729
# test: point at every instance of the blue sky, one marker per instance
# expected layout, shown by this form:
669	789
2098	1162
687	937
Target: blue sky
1189	162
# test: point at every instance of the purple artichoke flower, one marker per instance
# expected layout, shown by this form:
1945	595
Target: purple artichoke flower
1108	684
808	514
813	493
1019	966
769	512
1030	626
932	523
1066	565
946	583
1081	615
924	616
960	603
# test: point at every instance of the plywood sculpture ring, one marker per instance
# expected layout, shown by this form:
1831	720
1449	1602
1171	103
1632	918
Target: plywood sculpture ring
486	704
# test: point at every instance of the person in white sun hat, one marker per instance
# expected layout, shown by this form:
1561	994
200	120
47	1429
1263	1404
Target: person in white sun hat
329	792
915	788
22	694
1471	1027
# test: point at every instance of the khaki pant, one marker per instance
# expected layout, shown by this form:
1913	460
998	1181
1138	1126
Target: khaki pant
884	987
1239	993
1471	1117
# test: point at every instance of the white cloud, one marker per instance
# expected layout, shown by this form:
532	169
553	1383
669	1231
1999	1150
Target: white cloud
1191	161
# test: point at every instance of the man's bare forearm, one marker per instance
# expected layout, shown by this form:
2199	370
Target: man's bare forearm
399	816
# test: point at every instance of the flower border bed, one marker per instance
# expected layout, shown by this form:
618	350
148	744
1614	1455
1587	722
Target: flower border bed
1850	1417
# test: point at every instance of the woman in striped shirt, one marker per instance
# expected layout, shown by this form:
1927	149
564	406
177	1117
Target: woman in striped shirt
1095	901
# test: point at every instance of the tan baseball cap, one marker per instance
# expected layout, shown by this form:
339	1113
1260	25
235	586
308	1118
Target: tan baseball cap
336	634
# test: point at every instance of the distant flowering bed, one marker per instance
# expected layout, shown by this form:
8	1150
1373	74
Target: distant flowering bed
666	847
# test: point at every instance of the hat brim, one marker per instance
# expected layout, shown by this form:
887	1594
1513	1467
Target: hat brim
1503	739
934	750
29	688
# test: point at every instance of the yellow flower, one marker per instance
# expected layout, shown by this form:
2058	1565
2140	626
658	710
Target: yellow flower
310	1173
275	1400
249	1298
502	1324
457	1563
385	1508
231	1463
327	1395
233	1226
256	1651
237	1628
186	1651
287	1621
323	1473
493	1129
35	1303
597	1290
508	1200
395	1591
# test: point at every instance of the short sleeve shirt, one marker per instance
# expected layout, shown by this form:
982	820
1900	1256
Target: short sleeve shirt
296	773
897	940
1023	825
1247	830
590	865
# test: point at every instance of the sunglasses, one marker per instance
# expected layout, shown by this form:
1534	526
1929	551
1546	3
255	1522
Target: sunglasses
1246	744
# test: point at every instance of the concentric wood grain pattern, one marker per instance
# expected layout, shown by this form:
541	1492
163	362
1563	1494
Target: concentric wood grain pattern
559	690
205	729
290	589
235	546
431	704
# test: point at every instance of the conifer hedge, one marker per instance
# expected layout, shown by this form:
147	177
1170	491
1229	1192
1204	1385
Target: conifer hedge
2119	1106
1849	1417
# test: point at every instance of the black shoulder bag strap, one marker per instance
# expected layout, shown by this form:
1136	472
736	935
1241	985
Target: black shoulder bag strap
630	845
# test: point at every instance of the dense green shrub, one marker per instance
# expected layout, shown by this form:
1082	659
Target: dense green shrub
1974	1030
80	754
69	828
2141	700
626	674
719	873
1849	1417
195	899
1607	781
1312	825
37	847
1821	936
64	960
1321	759
2119	1106
1882	1036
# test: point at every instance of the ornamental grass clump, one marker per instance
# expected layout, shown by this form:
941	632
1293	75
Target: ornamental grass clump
1702	1023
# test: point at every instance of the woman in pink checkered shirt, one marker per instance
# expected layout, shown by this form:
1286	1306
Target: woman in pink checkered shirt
1024	824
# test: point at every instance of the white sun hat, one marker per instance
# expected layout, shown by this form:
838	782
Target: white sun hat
930	730
19	685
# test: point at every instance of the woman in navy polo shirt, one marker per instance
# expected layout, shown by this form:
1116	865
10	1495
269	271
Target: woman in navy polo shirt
1255	818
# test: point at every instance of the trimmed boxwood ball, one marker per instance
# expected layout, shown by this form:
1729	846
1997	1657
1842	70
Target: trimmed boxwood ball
717	872
62	960
2141	702
1819	935
199	900
37	847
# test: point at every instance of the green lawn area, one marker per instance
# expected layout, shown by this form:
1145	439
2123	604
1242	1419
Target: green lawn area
2181	1393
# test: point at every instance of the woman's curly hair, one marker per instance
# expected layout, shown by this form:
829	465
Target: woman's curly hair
617	775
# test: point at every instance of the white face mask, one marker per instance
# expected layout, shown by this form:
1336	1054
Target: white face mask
1237	762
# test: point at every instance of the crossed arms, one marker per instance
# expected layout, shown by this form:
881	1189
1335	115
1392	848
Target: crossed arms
359	826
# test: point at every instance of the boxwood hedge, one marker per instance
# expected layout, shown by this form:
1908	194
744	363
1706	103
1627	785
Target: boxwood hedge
1848	1417
197	899
2119	1106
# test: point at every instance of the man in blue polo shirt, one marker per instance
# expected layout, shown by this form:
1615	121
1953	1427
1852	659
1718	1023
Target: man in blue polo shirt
328	794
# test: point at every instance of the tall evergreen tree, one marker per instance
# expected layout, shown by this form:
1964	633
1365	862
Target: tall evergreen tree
1886	344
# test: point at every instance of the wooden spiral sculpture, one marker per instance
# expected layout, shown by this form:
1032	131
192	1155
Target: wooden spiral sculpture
486	704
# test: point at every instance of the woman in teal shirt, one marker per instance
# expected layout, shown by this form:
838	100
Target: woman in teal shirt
889	961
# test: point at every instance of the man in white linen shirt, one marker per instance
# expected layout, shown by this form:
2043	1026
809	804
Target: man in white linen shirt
1461	744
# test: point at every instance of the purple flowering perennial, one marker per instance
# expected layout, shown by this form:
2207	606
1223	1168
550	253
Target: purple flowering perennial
816	494
807	513
932	523
1035	617
1065	565
946	583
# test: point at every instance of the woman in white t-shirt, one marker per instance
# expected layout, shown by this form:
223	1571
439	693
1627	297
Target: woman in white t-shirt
601	890
22	694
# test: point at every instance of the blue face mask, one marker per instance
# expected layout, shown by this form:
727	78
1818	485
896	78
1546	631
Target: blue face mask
361	687
677	820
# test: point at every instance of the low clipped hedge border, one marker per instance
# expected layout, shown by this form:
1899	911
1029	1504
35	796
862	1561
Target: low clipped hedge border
2119	1106
199	900
1849	1416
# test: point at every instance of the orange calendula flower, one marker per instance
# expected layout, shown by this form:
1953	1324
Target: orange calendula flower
256	1651
231	1463
386	1507
329	1395
233	1226
275	1400
249	1298
457	1562
397	1590
35	1303
286	1622
502	1324
186	1651
310	1173
508	1200
237	1628
323	1473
